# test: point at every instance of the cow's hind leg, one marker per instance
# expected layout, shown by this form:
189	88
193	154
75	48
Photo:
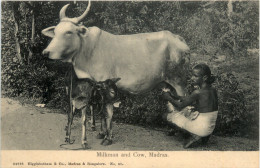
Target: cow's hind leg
108	139
84	129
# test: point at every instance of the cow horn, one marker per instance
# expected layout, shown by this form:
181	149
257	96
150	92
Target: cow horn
63	11
74	20
84	14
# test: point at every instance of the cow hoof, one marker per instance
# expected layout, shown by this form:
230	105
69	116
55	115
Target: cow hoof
106	142
100	136
85	146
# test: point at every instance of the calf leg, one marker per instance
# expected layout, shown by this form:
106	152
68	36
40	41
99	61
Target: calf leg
108	138
109	109
103	129
84	129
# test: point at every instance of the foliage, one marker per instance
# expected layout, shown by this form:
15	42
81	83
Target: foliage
232	118
33	81
144	109
208	28
210	31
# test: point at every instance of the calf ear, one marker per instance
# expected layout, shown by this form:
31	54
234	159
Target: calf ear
49	31
115	79
83	30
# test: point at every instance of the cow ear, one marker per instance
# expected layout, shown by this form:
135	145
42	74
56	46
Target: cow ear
115	79
49	31
83	30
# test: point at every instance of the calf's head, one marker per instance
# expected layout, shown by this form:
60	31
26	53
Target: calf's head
87	91
108	89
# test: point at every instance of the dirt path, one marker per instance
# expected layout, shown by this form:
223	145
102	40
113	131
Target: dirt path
26	127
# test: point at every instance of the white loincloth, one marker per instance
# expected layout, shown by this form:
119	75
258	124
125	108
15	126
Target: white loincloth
203	125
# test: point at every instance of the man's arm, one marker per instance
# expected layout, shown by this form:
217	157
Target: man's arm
186	101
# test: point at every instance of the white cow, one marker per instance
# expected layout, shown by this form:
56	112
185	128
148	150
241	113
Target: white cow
140	60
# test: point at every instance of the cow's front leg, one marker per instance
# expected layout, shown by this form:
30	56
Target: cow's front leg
84	129
108	139
70	120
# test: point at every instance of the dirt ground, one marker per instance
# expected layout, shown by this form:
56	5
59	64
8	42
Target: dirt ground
27	127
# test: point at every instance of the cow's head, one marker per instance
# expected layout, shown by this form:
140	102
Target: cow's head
65	36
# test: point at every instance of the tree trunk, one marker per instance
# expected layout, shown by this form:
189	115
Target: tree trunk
32	41
15	13
33	28
230	8
32	6
231	26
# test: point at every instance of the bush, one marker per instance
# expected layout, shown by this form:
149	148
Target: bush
34	81
232	118
141	109
26	80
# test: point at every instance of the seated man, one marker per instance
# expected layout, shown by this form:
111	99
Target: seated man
200	123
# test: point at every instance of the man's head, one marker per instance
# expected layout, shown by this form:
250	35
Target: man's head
202	73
